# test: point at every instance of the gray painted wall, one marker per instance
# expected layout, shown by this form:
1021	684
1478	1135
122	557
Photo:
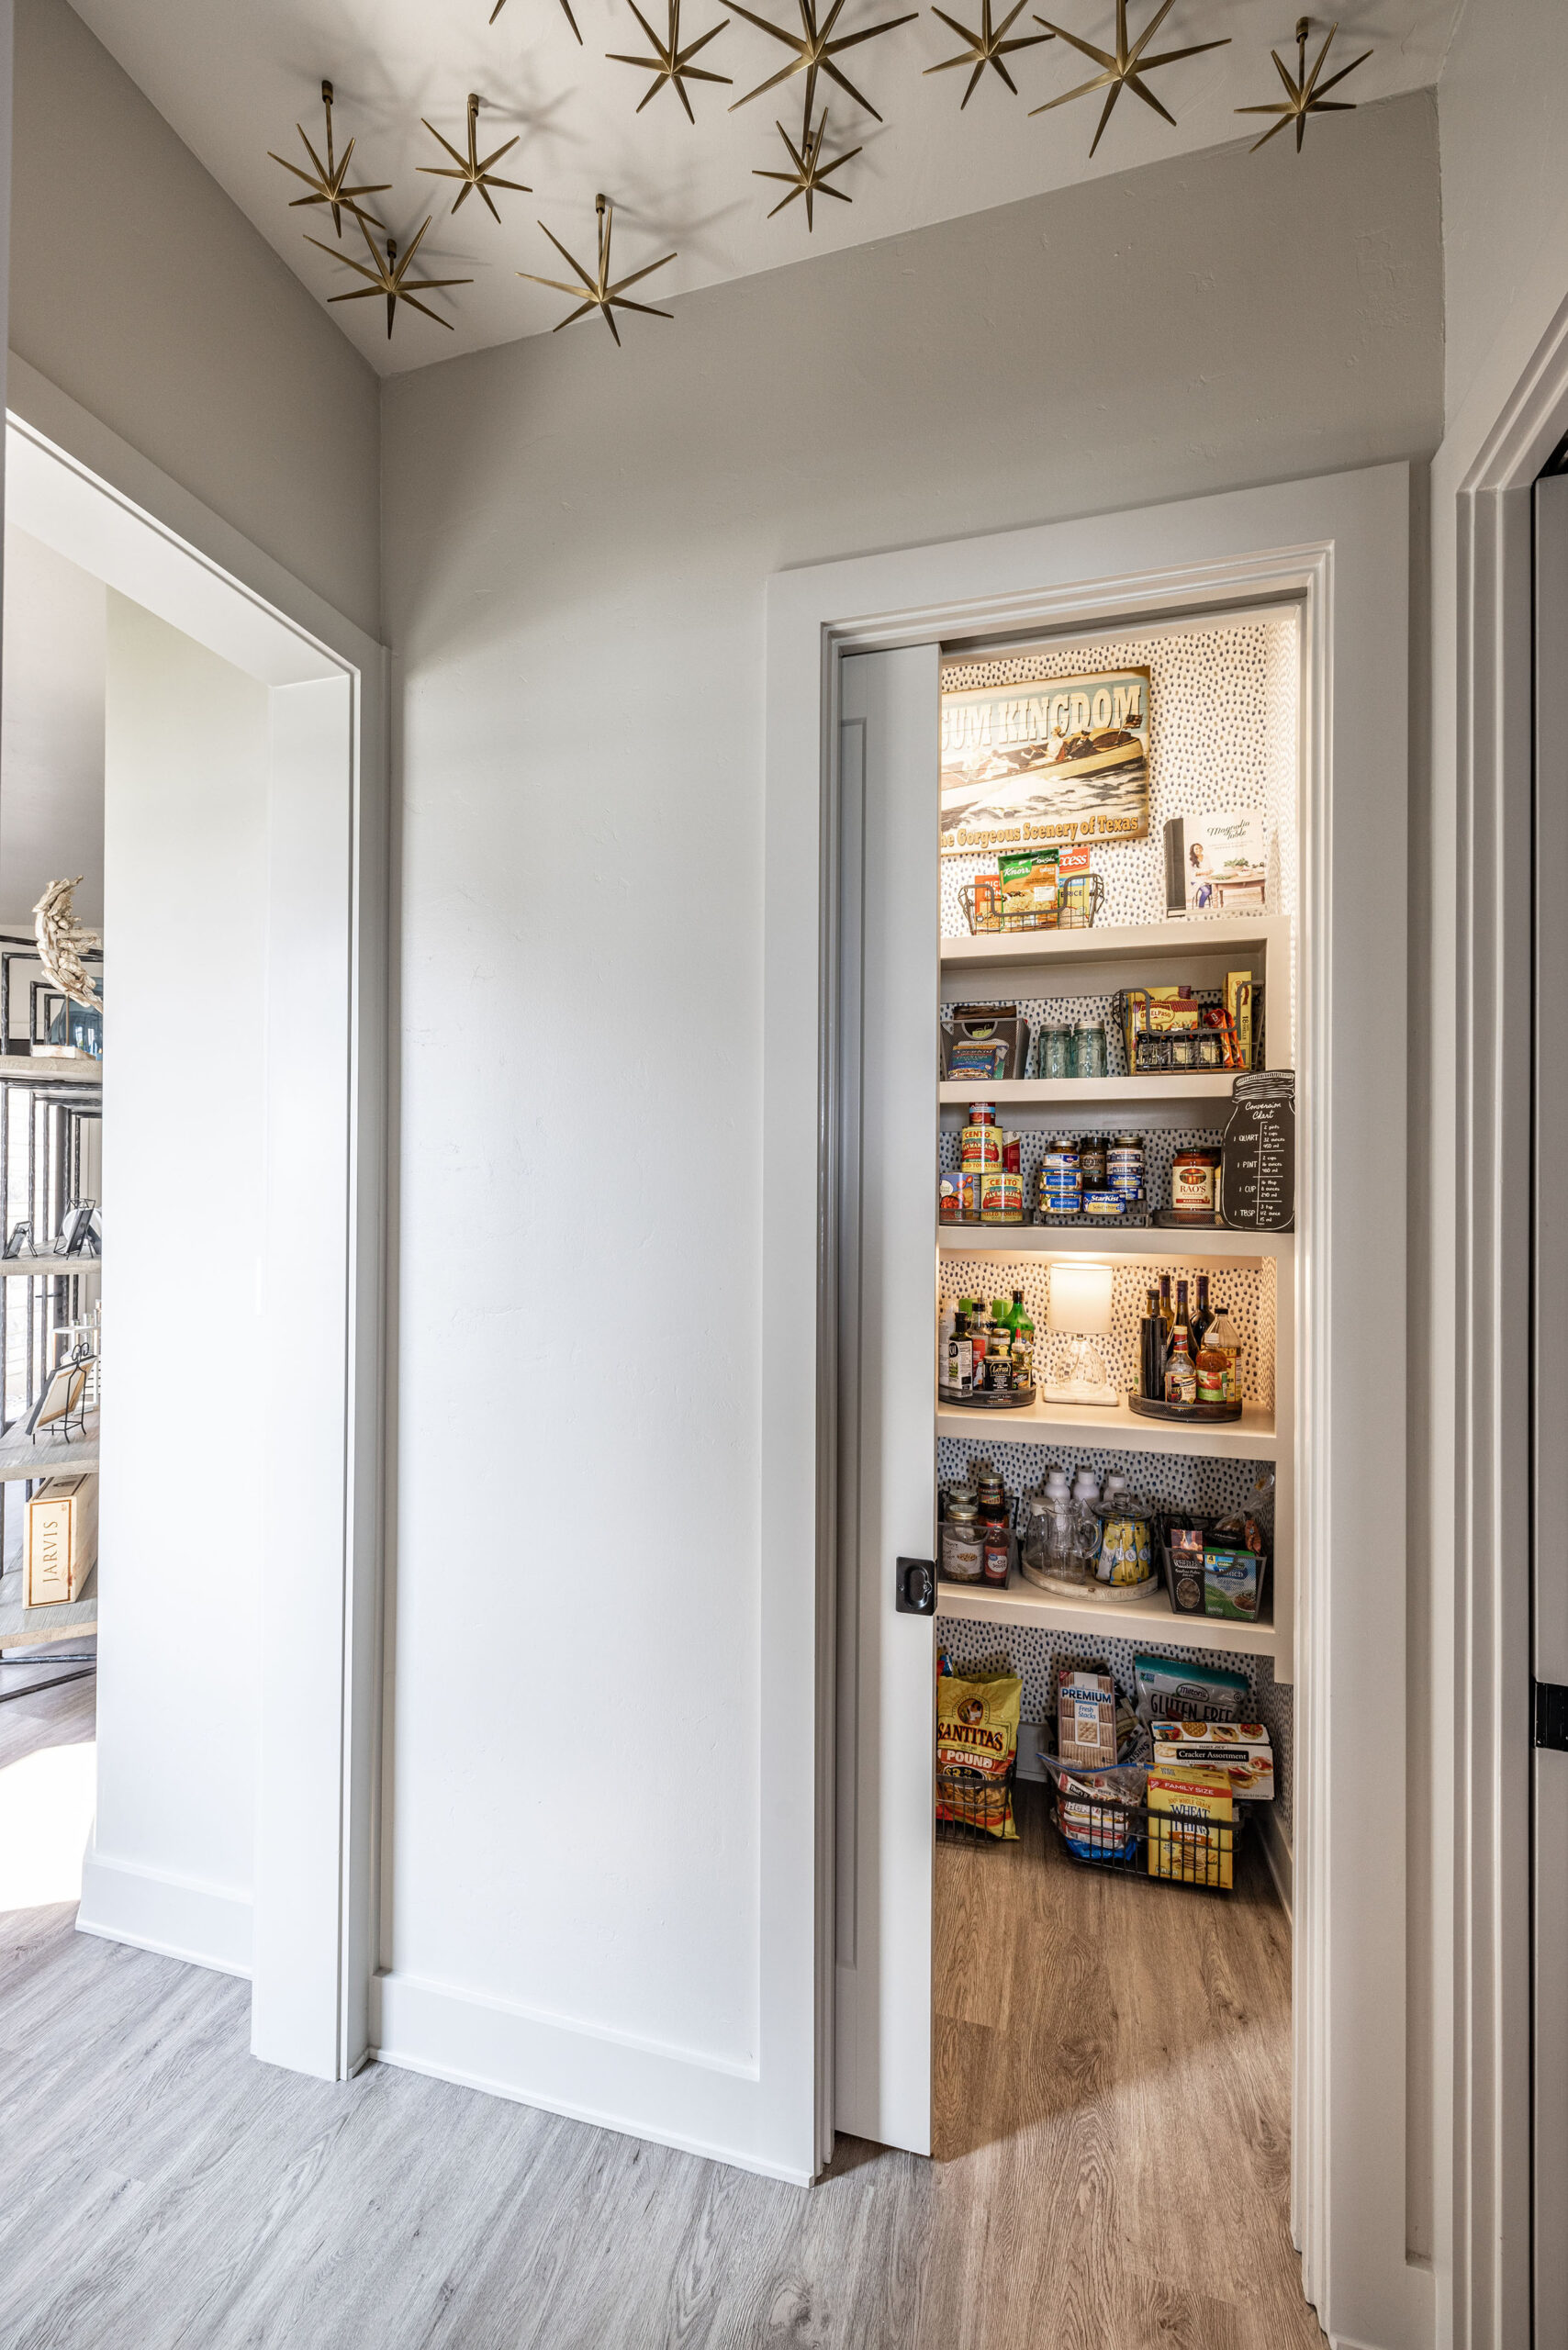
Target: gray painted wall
139	289
577	545
1504	166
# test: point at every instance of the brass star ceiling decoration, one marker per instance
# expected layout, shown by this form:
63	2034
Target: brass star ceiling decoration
598	293
1127	68
328	180
475	171
566	11
669	61
986	47
390	277
809	176
1305	94
815	49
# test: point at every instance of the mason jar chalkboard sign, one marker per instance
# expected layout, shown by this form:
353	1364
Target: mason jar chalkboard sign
1258	1176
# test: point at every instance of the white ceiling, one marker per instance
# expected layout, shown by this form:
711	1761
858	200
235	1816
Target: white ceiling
234	88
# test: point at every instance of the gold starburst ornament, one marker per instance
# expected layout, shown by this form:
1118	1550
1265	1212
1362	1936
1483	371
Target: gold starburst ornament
1126	70
809	176
390	276
815	48
475	171
670	63
1305	94
598	293
986	47
328	181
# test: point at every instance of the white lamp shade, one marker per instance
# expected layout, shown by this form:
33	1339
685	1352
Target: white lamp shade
1081	1299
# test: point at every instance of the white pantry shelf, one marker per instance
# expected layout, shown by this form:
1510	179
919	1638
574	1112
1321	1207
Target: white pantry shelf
32	1626
1207	1243
1071	1092
1251	1437
1231	935
1151	1619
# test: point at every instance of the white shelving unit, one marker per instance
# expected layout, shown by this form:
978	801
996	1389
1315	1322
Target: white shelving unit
1251	1437
1151	1619
1207	1245
1098	962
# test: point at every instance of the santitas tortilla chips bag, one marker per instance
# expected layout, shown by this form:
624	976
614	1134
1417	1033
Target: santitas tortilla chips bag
977	1744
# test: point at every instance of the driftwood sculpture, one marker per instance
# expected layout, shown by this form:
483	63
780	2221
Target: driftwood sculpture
61	939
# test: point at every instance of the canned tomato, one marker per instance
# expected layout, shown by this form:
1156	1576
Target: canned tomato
1002	1197
980	1146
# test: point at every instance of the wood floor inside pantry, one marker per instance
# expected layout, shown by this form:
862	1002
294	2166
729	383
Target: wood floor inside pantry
1112	2066
1112	2096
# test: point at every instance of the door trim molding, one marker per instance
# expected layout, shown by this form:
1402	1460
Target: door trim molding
75	485
1483	757
1341	544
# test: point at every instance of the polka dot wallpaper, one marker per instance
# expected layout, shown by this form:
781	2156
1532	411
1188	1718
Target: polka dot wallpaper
1223	734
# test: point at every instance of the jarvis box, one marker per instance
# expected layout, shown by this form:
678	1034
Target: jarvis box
60	1544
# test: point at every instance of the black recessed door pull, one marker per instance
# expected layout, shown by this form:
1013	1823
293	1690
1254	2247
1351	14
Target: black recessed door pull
914	1587
1550	1715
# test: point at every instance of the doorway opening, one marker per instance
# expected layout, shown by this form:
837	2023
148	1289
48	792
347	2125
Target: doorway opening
231	755
1116	1420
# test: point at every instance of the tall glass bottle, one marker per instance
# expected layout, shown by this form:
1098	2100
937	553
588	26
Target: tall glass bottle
1201	1317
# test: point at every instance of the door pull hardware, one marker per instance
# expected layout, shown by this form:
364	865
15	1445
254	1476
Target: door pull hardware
914	1587
1551	1714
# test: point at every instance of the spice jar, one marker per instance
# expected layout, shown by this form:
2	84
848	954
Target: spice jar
962	1544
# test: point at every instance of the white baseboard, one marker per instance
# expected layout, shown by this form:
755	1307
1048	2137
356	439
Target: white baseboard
205	1925
612	2081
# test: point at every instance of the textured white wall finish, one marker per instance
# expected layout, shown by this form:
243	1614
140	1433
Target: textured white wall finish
576	546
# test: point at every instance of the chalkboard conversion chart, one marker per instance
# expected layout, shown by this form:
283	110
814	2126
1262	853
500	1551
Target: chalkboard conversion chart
1258	1176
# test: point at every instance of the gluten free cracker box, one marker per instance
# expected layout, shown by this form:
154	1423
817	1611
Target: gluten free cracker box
1241	1750
1191	1829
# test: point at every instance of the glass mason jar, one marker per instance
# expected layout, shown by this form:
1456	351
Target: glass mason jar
1054	1054
1088	1058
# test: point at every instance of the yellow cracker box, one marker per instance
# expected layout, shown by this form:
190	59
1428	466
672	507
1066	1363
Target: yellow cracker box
1191	1827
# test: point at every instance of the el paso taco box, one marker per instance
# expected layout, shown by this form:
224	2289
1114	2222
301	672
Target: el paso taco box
1241	1750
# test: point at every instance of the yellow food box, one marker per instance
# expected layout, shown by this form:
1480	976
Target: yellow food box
1191	1827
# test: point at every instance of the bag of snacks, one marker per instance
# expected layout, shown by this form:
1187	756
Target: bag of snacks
977	1749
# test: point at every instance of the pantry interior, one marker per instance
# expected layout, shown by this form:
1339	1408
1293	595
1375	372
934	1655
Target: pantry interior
1136	1963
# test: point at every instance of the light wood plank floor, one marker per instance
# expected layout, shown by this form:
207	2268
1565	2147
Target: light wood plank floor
1112	2067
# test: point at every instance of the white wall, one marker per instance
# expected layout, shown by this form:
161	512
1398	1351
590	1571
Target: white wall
576	551
51	731
1505	178
185	805
139	289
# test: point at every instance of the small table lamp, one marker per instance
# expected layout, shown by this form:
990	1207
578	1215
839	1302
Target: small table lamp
1081	1305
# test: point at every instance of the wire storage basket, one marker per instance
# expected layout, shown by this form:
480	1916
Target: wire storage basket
971	1810
1168	1847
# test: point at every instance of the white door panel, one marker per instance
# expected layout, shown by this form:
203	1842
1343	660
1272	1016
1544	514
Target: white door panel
887	1110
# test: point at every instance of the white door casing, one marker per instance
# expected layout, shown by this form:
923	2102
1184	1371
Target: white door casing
308	1940
1341	544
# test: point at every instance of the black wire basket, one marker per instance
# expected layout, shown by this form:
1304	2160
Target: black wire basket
1195	1853
971	1810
